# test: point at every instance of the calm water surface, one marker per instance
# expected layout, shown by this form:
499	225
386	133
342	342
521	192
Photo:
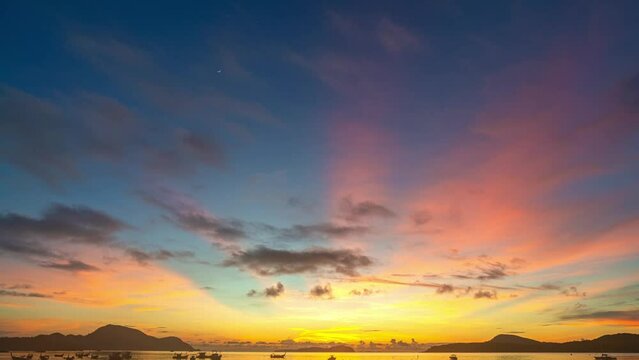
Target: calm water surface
165	355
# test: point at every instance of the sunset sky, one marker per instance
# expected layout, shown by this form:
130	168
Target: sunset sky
319	171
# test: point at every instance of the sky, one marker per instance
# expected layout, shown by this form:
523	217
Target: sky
252	172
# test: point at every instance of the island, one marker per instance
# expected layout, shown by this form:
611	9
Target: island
109	337
616	343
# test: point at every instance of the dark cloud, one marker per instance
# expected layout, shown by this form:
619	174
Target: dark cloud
573	291
487	269
144	257
356	211
70	265
22	294
95	127
184	153
421	217
568	291
266	261
363	292
15	286
188	215
629	315
271	291
322	230
445	288
485	294
76	224
35	237
319	291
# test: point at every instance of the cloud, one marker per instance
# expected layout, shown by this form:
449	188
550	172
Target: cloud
628	315
397	39
421	217
485	269
187	150
322	230
485	294
190	216
271	291
445	288
363	292
324	292
143	257
266	261
573	291
22	294
27	236
356	211
70	265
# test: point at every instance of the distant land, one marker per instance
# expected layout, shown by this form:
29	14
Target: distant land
109	337
617	343
336	349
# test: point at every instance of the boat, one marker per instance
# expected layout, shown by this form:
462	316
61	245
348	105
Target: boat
68	357
44	357
278	356
19	357
332	357
216	356
179	356
605	357
453	357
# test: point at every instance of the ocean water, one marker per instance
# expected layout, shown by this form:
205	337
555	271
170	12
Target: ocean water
165	355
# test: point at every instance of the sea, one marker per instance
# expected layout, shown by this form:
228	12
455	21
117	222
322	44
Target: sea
166	355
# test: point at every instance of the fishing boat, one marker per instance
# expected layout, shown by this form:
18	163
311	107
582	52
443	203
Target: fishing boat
278	356
180	356
19	357
332	357
453	357
605	357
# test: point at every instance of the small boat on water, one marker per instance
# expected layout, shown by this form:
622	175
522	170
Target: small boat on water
20	357
453	357
278	356
180	356
332	357
44	357
68	357
605	357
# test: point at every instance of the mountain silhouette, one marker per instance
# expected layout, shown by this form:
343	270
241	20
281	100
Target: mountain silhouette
109	337
617	343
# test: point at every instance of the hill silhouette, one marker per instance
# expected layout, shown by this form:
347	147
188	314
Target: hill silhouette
109	337
617	343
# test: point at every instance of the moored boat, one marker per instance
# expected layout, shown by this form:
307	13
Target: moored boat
332	357
605	357
19	357
278	356
453	357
